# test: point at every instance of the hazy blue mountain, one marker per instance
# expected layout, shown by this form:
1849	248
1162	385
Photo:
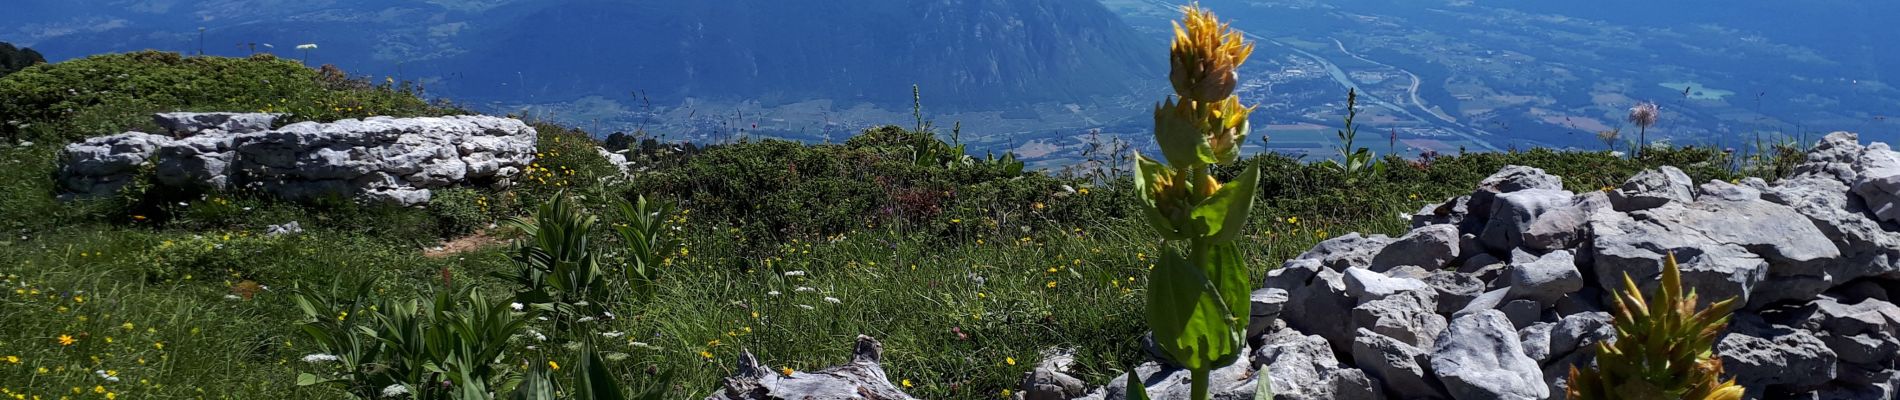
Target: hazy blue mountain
975	54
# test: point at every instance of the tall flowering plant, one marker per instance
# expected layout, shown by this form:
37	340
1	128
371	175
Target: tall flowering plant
1197	299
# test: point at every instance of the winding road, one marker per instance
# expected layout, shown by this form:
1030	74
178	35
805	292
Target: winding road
1450	124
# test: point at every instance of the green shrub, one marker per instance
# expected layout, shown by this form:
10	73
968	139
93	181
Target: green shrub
459	211
772	190
64	102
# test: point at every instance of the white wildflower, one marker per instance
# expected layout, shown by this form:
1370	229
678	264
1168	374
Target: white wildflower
612	335
585	319
319	358
516	306
794	273
802	289
772	293
833	300
538	336
805	306
394	391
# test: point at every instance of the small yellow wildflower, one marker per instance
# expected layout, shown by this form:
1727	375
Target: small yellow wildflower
906	382
67	340
705	354
13	359
1010	360
787	370
1051	285
554	365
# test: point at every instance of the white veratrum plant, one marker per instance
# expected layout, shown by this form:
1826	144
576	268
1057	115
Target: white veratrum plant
1197	299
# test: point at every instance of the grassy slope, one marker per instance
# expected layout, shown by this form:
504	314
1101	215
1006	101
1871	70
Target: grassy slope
145	286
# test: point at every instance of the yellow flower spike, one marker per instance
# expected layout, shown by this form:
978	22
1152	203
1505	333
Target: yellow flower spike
1206	55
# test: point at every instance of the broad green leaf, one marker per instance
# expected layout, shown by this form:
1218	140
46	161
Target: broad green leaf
307	379
1189	320
595	381
1135	390
1225	214
1227	271
1265	390
536	386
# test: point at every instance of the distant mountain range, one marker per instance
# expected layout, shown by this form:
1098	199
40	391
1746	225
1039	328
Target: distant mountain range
966	54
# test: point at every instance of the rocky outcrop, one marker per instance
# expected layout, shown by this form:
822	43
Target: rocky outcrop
862	378
381	159
1498	294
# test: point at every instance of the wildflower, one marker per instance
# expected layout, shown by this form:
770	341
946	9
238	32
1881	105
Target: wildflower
613	334
803	289
13	359
394	391
1201	132
1293	220
515	306
1051	285
906	382
126	326
833	300
67	340
554	365
705	354
319	358
1010	360
806	307
1206	56
786	370
794	273
1644	115
772	293
585	319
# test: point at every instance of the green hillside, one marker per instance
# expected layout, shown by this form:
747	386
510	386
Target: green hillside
966	269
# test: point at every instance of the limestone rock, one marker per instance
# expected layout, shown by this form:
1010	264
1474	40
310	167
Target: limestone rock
1350	250
1303	367
1551	277
185	124
1653	188
861	379
1403	369
100	166
1513	213
1430	247
1480	357
1408	317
